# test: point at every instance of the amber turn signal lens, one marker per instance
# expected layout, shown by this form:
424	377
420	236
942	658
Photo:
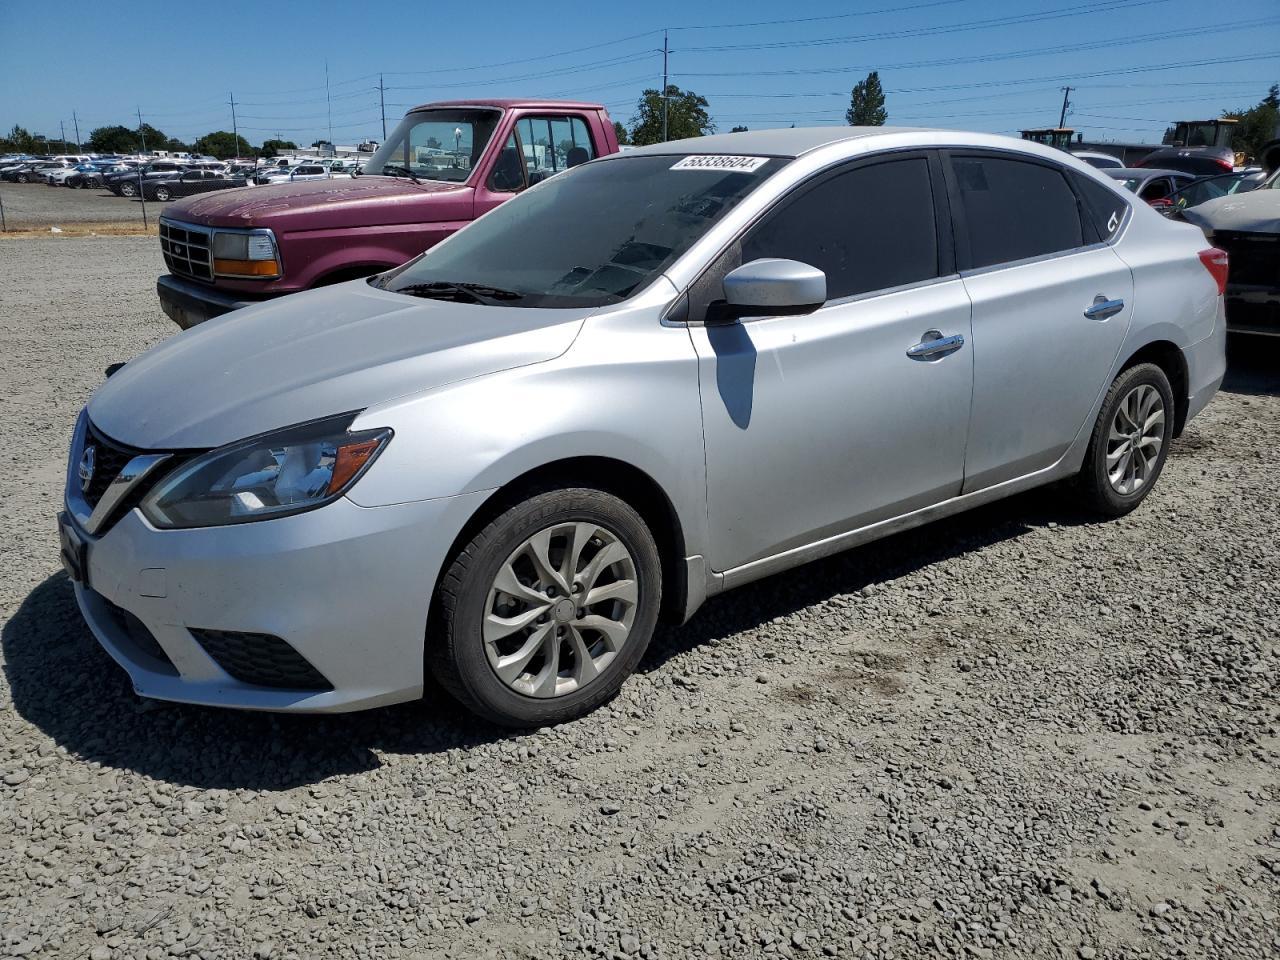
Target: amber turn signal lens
351	459
247	268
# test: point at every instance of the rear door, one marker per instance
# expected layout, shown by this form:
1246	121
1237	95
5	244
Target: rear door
1051	307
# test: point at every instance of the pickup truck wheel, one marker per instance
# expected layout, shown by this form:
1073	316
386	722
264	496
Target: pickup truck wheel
128	189
548	608
162	193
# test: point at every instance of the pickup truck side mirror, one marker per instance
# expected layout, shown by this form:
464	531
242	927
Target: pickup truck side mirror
770	288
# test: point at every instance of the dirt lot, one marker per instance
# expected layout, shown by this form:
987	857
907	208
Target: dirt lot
1018	733
37	206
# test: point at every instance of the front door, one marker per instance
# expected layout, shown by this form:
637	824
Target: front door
1051	307
819	424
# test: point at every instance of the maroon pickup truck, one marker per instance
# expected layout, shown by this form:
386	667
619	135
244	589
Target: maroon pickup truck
444	165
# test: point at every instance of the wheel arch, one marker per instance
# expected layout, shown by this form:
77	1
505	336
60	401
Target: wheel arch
1168	356
625	481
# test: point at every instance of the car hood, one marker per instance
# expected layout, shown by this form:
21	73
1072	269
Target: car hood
321	204
1257	211
311	355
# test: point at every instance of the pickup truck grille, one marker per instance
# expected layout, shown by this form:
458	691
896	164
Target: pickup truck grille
186	249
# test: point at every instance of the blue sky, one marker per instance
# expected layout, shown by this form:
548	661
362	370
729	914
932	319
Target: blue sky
994	65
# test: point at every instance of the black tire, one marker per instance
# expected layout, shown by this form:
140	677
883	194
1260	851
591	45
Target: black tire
1094	484
455	652
23	178
128	189
162	194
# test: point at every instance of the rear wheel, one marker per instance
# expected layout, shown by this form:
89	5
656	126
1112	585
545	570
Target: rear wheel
1130	441
548	609
128	188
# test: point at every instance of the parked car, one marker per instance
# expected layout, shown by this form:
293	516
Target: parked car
32	171
1210	188
1153	186
444	165
1102	161
58	177
125	184
190	182
308	171
268	175
506	459
96	179
1247	226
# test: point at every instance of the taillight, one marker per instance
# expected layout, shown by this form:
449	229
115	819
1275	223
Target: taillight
1226	165
1215	261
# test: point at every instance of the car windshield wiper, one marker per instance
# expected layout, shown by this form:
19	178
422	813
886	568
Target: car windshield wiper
399	171
475	292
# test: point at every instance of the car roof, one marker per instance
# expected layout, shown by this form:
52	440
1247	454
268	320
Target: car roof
781	142
513	103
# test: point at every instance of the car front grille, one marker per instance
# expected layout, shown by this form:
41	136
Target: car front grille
187	250
109	460
1255	257
261	660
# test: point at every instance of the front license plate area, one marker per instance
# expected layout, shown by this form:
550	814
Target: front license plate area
75	550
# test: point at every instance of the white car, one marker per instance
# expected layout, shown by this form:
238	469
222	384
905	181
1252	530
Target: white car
1098	160
308	171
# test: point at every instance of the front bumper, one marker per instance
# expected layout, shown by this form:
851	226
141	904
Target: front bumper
347	587
188	303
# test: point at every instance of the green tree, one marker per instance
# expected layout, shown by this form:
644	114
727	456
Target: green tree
866	103
1257	124
620	132
115	139
18	140
271	148
223	144
687	116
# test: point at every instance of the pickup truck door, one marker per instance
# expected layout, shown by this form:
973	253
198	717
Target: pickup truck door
535	147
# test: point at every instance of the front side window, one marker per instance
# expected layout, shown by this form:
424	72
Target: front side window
551	247
870	228
1014	210
442	145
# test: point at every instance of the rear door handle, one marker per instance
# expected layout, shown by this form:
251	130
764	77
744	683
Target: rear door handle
934	344
1103	308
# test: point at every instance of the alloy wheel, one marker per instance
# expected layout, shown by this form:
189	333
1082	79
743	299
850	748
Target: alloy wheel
560	609
1135	439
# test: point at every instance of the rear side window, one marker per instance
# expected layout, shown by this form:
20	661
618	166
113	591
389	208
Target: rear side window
1014	210
870	228
1104	206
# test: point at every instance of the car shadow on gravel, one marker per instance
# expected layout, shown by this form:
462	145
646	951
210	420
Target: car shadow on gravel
65	684
867	566
1253	365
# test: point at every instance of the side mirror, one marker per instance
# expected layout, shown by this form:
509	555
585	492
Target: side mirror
770	288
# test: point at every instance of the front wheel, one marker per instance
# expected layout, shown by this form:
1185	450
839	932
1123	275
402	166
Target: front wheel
548	609
162	193
128	189
1130	441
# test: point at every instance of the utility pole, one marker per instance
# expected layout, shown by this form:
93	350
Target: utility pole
142	134
235	130
382	102
62	131
327	102
665	51
77	125
1062	117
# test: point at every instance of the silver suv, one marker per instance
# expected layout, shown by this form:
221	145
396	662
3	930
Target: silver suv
647	380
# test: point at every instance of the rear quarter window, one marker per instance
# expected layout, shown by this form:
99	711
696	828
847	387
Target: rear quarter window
1102	204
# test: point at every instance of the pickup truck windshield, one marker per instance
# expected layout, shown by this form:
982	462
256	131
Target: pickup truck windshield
589	236
440	145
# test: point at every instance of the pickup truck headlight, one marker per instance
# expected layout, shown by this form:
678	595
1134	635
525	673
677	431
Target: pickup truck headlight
269	476
245	255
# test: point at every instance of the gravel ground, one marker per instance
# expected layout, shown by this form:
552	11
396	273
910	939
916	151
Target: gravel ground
1017	733
33	206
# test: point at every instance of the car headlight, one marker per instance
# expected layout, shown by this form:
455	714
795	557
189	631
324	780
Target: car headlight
273	475
245	255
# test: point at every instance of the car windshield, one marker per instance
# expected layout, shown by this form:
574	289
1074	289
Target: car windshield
590	236
1131	183
1210	188
441	145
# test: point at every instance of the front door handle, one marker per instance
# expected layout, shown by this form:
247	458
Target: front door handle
1103	308
934	344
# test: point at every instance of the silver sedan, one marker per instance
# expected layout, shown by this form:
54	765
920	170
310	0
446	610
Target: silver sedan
659	376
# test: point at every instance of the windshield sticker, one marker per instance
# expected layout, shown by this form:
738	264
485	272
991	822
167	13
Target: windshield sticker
716	162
